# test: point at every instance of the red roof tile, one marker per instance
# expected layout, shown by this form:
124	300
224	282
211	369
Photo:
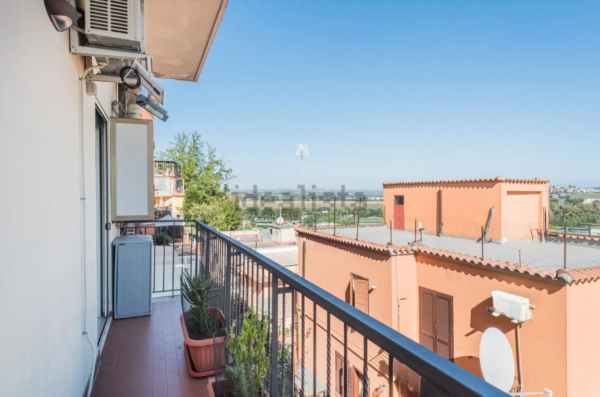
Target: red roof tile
496	179
567	276
353	242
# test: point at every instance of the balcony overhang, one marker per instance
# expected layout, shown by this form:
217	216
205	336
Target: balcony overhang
179	34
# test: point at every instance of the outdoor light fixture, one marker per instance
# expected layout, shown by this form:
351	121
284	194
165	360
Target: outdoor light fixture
62	14
153	108
372	288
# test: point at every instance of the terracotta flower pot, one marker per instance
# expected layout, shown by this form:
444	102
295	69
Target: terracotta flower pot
202	352
221	391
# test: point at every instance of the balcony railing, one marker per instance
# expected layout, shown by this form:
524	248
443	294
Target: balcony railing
335	348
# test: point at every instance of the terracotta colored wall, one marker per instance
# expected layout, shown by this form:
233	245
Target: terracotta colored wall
543	340
524	205
466	206
583	343
329	265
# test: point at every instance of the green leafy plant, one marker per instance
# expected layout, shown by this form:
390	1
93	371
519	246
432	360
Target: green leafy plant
198	293
161	239
248	351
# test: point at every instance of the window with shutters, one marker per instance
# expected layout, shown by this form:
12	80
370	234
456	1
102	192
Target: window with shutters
437	322
349	381
339	374
358	293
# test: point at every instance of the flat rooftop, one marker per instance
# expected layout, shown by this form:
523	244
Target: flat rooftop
548	255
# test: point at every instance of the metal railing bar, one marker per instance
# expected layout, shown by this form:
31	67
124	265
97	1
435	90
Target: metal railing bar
426	363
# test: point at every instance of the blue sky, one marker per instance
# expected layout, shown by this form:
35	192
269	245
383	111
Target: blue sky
398	91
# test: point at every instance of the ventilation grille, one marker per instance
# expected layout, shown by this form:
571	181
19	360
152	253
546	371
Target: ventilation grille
109	15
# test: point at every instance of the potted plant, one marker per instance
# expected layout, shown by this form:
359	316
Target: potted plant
199	323
249	366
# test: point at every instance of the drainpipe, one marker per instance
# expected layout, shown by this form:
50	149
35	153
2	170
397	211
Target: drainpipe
518	334
83	225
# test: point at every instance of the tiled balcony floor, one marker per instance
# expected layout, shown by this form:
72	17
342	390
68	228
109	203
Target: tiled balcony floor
144	356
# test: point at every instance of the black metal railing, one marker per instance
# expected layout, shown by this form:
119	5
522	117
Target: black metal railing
175	249
335	348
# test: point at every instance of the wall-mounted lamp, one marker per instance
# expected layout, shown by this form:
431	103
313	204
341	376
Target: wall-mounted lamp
146	103
307	334
62	14
378	391
372	288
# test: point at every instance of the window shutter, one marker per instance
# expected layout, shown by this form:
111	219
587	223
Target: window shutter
350	381
339	368
361	294
437	325
427	321
443	326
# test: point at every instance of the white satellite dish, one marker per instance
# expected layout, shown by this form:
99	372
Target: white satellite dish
497	360
279	221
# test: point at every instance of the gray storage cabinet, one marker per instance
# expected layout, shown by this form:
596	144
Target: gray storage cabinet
133	275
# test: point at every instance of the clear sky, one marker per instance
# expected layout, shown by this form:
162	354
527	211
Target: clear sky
398	91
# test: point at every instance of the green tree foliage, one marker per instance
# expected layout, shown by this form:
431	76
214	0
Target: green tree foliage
222	213
204	174
573	212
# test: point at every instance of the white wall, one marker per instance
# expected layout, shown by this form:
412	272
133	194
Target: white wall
42	350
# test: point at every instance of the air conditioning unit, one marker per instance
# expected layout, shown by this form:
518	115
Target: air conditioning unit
513	306
115	24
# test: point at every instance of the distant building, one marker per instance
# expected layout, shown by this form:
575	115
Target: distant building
590	200
437	288
169	187
461	208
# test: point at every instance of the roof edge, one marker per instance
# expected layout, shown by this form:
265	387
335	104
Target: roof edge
498	179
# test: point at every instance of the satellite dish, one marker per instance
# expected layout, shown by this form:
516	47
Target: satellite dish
497	360
279	221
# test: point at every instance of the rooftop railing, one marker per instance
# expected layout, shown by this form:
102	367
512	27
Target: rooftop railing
332	347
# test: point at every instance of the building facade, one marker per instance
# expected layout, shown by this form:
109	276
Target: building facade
511	209
169	187
55	288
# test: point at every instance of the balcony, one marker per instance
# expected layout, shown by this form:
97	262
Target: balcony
333	348
144	357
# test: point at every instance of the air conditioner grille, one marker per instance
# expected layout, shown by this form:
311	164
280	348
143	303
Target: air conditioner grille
110	15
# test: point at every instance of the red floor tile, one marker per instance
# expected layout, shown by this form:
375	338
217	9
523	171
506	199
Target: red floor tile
143	357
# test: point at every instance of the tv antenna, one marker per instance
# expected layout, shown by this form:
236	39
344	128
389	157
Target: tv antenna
302	150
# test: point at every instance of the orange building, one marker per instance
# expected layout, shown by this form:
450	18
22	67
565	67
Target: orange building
169	187
515	209
437	289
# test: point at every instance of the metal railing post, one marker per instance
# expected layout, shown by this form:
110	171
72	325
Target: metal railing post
197	243
228	290
565	264
482	241
207	255
274	336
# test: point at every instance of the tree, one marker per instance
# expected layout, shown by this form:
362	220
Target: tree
204	174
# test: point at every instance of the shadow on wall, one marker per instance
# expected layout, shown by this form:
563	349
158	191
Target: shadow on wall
470	363
481	319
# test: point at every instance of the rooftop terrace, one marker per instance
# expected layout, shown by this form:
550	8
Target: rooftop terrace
545	255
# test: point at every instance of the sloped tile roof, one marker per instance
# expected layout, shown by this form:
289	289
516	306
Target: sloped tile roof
353	242
496	179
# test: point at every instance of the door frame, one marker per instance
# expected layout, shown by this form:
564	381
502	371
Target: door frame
396	226
102	149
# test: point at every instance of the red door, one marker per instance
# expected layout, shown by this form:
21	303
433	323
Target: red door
399	212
